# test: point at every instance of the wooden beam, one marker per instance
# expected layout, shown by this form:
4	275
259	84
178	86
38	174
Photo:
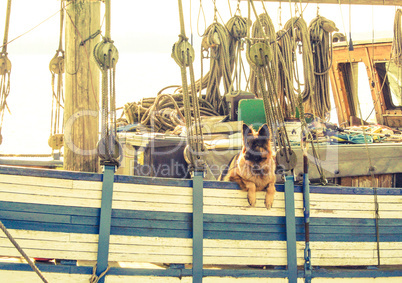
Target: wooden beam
346	2
81	121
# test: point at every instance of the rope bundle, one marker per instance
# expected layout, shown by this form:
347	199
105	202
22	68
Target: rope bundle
397	40
257	34
320	31
222	44
164	112
298	30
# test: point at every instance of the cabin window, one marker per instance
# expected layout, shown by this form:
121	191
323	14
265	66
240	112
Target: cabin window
392	89
358	91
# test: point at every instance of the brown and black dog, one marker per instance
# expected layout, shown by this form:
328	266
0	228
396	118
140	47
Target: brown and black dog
254	167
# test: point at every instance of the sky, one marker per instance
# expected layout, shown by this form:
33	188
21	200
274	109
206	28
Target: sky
144	33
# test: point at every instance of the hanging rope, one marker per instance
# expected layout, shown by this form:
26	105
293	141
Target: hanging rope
220	43
106	57
183	54
298	31
396	55
56	67
320	31
5	71
21	251
260	57
264	26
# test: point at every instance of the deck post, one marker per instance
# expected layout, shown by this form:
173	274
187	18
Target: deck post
198	226
290	228
105	221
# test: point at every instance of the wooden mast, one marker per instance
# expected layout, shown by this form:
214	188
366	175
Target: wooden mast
81	119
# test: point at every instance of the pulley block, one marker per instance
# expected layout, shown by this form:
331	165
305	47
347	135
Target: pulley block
286	160
5	65
260	54
56	65
110	150
56	141
106	54
179	53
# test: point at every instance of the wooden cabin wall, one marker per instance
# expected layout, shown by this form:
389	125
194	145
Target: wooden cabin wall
367	54
380	181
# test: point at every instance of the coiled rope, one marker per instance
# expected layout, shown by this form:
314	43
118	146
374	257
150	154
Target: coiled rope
320	31
164	112
298	31
396	54
221	43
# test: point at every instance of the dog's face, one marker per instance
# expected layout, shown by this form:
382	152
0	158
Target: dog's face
257	148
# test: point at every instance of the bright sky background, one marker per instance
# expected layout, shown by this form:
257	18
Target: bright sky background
144	33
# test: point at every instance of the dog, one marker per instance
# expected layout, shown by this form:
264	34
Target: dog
253	168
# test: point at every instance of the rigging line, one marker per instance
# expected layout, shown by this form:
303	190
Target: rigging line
371	168
201	9
58	11
230	9
7	25
89	61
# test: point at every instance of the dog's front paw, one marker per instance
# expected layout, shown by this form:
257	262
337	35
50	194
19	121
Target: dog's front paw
269	200
251	198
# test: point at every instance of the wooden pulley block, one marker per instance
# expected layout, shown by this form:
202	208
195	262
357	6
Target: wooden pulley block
5	65
56	141
110	150
106	54
56	65
284	163
179	53
260	53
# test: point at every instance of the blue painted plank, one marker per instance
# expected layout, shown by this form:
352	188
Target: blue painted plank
49	208
37	217
186	217
235	273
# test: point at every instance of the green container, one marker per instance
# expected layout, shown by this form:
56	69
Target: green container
251	112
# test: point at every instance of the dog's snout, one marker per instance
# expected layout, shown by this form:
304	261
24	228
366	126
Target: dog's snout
253	156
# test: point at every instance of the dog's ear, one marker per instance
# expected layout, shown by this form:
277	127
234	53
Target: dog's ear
246	131
264	132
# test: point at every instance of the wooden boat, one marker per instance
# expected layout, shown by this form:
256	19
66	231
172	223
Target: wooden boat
56	214
124	228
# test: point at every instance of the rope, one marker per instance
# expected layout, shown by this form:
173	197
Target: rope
5	70
106	57
298	31
21	251
56	67
371	168
260	58
396	56
94	278
221	43
320	31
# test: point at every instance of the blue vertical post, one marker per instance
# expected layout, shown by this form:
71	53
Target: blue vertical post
198	226
291	228
307	250
105	221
